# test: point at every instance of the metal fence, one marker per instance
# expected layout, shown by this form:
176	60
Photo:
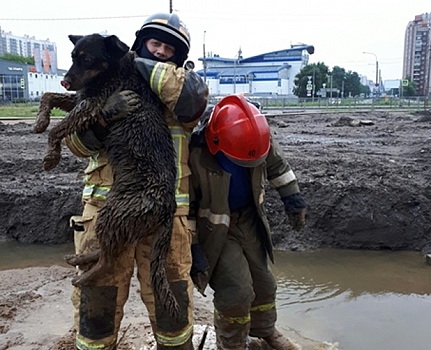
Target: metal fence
293	103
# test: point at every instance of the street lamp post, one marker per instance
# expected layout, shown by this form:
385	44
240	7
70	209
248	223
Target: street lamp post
205	61
330	92
428	75
234	75
377	70
314	85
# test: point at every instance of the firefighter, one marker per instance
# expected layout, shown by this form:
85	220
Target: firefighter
162	45
232	155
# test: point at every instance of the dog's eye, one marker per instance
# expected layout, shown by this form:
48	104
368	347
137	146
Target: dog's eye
87	59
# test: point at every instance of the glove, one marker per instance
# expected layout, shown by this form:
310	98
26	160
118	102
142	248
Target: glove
200	267
297	220
295	206
119	105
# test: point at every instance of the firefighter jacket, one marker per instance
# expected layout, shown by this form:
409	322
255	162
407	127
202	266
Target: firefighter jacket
184	96
209	197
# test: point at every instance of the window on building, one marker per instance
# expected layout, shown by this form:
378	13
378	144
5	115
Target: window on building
11	87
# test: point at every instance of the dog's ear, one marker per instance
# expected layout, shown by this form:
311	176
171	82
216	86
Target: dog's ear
74	38
115	46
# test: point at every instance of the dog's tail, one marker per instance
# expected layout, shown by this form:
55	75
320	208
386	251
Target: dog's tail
163	293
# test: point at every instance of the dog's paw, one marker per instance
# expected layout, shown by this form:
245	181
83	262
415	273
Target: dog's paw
41	124
51	161
77	281
72	259
85	279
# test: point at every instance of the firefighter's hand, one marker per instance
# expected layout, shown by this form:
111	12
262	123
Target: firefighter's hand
199	270
297	220
295	206
118	106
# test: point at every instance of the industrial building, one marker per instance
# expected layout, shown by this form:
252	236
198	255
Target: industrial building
271	73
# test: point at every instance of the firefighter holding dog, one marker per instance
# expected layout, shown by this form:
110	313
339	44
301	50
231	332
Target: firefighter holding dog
162	45
232	155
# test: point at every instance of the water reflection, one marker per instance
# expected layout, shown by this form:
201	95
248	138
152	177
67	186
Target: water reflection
379	300
14	255
362	299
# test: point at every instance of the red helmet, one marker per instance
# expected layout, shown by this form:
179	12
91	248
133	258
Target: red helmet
239	130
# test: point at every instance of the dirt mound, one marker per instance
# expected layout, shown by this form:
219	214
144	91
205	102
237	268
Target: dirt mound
367	184
366	177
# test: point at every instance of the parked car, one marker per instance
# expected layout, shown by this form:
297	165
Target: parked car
257	104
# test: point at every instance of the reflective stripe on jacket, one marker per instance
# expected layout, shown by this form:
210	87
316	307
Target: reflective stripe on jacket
182	91
184	96
98	174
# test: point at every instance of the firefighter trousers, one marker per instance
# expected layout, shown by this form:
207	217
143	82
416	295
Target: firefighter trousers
244	286
99	309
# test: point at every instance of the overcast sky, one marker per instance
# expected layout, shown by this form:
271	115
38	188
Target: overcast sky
340	30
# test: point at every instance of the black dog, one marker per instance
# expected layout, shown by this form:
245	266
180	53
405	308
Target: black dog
140	150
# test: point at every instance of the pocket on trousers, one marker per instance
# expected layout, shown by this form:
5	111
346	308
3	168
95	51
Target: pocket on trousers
76	223
84	233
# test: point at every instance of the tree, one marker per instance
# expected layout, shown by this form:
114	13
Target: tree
365	89
317	71
352	85
348	83
17	58
410	89
338	79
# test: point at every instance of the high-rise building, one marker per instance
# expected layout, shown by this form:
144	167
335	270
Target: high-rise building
417	54
43	51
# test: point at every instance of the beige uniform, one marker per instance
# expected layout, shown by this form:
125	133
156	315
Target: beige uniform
180	91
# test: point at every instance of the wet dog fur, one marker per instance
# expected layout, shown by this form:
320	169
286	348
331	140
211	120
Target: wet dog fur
141	201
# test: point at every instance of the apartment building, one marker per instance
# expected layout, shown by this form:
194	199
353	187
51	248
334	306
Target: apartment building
417	53
43	51
28	82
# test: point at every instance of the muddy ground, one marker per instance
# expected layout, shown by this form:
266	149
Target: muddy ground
366	176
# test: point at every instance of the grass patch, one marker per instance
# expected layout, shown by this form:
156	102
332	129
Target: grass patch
25	110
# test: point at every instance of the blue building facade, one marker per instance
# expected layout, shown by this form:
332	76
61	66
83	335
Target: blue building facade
270	73
22	82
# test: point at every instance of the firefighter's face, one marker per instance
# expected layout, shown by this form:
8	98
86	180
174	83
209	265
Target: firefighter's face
160	50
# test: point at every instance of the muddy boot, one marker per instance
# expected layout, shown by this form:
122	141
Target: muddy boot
230	335
278	341
223	345
188	345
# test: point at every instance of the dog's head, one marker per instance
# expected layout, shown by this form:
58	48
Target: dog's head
93	57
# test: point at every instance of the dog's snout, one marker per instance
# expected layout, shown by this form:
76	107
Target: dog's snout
65	84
